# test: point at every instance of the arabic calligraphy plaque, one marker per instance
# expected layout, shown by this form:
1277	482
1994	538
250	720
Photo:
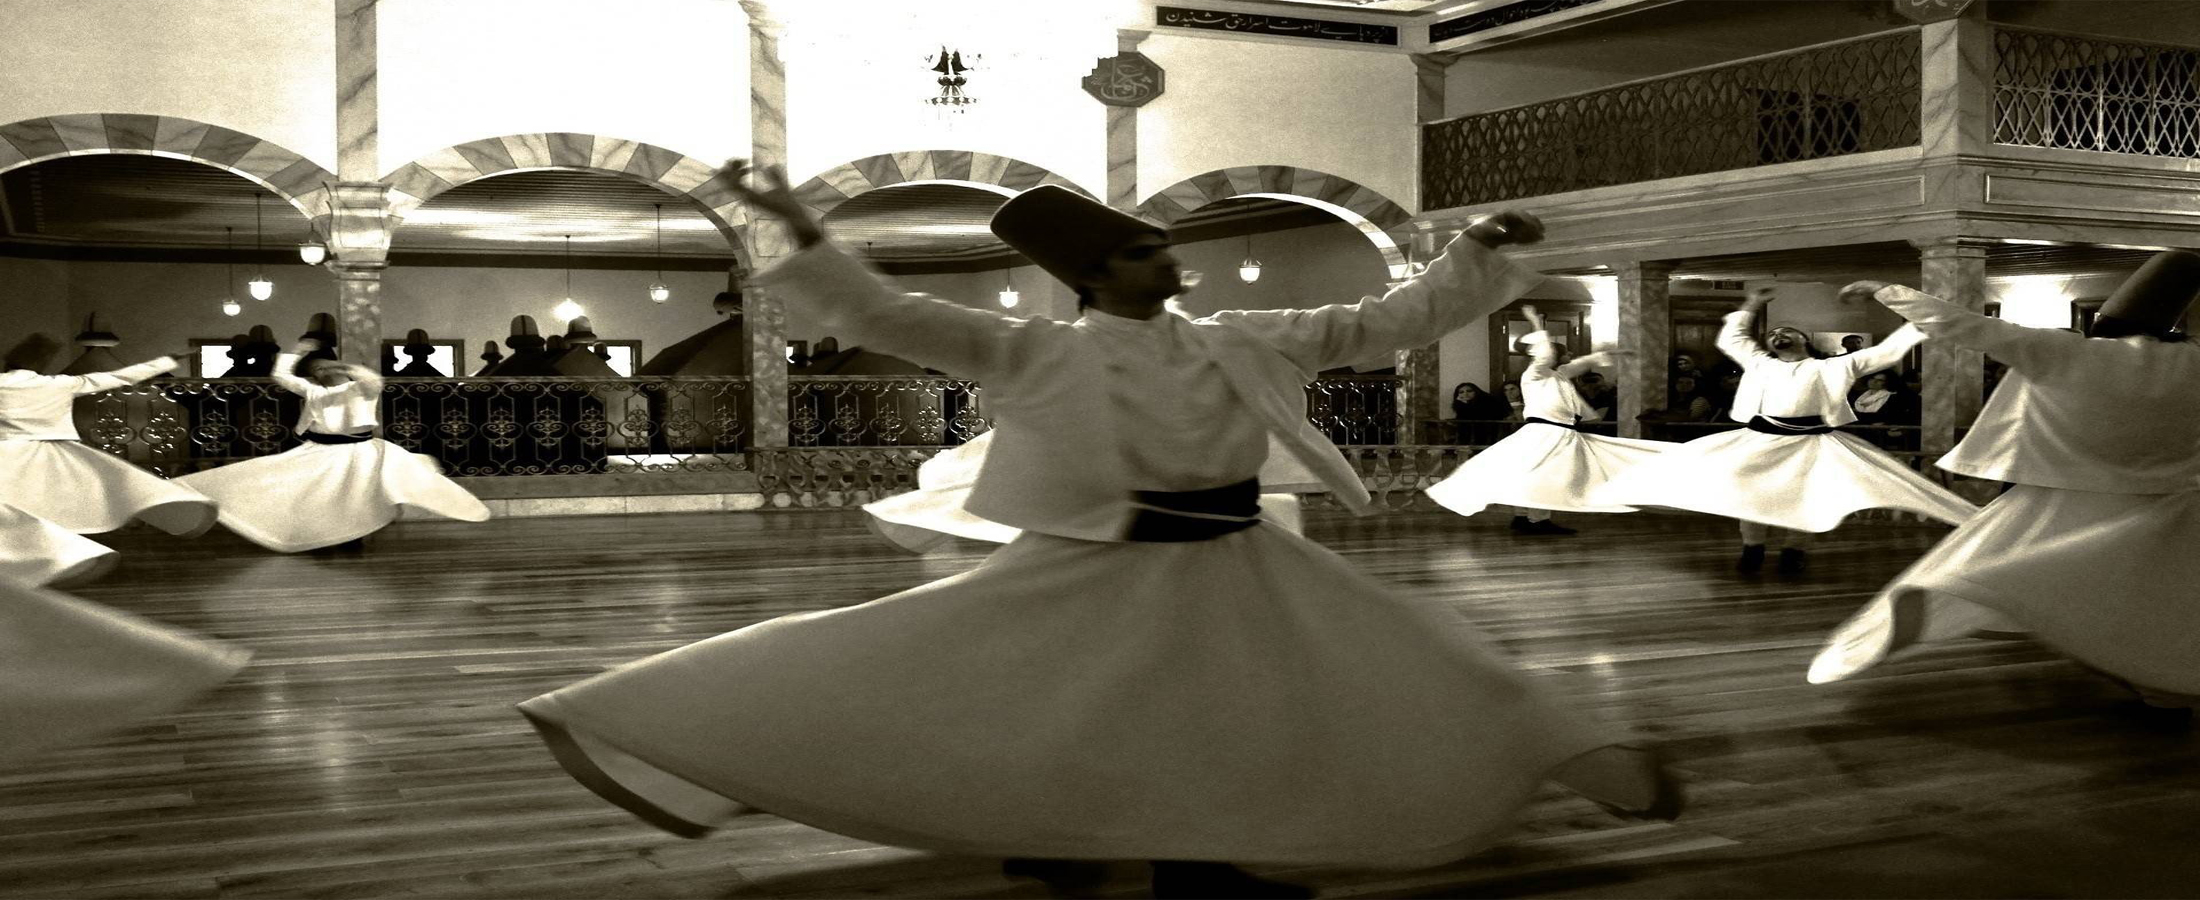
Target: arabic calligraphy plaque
1125	79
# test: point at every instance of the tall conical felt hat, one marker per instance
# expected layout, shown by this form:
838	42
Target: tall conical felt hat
579	331
321	327
524	325
2156	296
1064	232
417	337
259	334
33	352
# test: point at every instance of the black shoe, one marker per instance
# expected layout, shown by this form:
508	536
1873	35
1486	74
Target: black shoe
1791	561
1522	525
1752	561
1665	805
1219	880
1063	877
1548	527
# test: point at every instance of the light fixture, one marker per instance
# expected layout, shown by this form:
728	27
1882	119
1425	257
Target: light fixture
567	310
1249	270
658	293
1009	297
230	307
312	252
261	287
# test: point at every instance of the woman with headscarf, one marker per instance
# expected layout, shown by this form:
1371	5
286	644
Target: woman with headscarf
1475	413
1788	468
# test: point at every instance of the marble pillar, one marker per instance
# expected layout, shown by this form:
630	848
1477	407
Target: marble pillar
1421	395
1956	85
358	112
1953	269
1646	331
1122	137
764	317
359	251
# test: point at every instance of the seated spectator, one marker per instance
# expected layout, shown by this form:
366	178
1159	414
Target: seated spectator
1603	398
1516	406
1473	409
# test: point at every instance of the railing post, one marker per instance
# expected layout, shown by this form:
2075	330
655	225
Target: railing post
1646	329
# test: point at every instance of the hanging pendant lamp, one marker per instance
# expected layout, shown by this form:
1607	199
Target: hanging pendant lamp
1009	297
261	287
658	293
230	306
1249	270
567	310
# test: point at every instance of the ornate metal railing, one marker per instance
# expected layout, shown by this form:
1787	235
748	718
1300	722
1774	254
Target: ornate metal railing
882	411
475	426
1833	99
1355	409
2085	93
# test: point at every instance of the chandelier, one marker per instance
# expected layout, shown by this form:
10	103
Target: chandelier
950	67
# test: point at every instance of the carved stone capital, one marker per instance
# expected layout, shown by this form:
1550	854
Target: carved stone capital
360	224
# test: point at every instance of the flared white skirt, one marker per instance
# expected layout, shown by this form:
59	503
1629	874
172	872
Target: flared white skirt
1543	467
1249	698
320	495
1800	482
89	492
2112	580
35	551
70	670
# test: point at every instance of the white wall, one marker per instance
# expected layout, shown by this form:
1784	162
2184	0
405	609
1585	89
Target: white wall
673	73
857	82
1346	112
178	58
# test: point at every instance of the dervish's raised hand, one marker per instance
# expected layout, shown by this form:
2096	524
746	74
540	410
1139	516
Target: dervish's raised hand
1535	319
776	198
1758	299
1507	226
1861	291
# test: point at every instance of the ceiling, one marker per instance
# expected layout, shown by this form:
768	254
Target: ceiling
131	202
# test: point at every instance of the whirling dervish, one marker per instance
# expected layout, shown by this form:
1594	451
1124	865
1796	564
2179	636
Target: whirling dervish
343	482
2091	549
1549	463
48	472
1788	468
35	551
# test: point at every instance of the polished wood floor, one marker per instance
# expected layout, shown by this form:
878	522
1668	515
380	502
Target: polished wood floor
371	750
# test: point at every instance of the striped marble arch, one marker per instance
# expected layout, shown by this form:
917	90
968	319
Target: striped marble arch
984	171
675	173
1386	224
297	180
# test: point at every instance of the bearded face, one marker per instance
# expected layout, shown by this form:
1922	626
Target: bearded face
1781	340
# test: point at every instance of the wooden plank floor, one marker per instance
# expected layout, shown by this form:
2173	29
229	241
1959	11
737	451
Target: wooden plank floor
371	750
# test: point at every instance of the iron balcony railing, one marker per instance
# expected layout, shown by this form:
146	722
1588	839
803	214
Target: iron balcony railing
2074	92
1852	96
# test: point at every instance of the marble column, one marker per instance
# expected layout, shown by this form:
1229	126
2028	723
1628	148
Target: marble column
1953	269
359	251
764	317
1123	137
1421	392
358	113
1645	329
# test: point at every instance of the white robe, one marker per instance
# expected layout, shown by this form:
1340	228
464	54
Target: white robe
319	495
1800	482
47	471
70	670
1543	466
2093	550
1249	698
35	551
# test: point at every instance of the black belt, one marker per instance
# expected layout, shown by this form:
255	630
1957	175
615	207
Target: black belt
1789	426
1576	426
318	437
1179	516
